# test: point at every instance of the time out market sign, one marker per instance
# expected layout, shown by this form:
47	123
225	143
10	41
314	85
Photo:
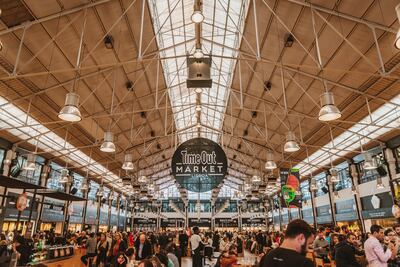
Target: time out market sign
199	165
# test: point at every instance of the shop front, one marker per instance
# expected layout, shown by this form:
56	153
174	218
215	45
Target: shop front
53	216
145	224
91	216
75	210
346	214
172	224
253	224
103	221
226	224
202	223
308	215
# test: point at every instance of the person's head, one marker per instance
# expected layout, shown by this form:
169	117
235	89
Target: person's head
300	234
344	228
121	258
321	232
335	239
92	235
130	252
145	263
19	240
351	239
337	229
390	234
142	238
397	229
196	230
377	232
103	237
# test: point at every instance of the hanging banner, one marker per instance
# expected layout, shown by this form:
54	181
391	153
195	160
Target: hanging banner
199	165
290	182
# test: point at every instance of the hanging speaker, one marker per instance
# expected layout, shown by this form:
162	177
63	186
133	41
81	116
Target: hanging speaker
199	73
74	190
381	170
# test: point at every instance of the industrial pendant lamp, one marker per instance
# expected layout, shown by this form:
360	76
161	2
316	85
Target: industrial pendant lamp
128	164
256	179
30	162
329	111
70	111
142	179
64	176
291	145
108	145
369	162
397	40
197	16
379	183
270	163
334	176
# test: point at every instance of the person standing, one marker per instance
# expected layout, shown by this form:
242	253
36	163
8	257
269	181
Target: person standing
197	247
142	248
91	243
321	245
183	242
345	252
299	235
102	249
374	252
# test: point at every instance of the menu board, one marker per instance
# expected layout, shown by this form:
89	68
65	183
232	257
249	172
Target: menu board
324	214
346	210
11	211
53	210
377	206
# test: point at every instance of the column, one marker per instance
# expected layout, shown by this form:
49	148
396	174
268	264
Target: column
313	206
68	186
126	213
98	198
355	178
240	222
119	199
212	218
331	198
85	196
109	214
10	155
186	216
43	182
280	214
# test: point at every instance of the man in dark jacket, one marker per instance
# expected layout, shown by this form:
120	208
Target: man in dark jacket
142	248
346	252
183	242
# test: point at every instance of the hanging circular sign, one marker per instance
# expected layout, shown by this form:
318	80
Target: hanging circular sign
199	165
22	202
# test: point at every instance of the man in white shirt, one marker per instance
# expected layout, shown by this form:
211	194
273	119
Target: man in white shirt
197	246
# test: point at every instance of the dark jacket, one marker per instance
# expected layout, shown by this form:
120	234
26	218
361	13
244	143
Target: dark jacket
146	250
345	255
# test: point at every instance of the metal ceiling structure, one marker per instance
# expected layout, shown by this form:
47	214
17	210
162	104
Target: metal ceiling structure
264	85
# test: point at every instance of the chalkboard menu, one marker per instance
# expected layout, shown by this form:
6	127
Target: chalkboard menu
172	222
144	222
226	222
202	222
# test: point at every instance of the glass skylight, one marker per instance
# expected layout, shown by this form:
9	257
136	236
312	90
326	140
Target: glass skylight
20	124
175	33
387	117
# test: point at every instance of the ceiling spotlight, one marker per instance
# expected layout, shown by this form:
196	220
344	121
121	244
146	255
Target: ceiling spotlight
198	125
270	163
109	42
329	111
198	53
289	40
142	179
334	176
379	184
108	145
198	90
30	164
70	111
369	162
197	16
198	108
291	145
397	40
128	164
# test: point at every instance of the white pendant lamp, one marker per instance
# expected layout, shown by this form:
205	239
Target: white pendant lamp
70	111
369	162
397	40
197	16
329	111
334	176
142	179
108	145
291	145
256	179
30	164
128	164
270	163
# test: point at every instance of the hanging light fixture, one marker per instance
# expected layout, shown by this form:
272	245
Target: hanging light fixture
30	164
379	183
128	164
334	176
108	145
197	16
291	145
198	52
198	90
270	163
329	111
70	111
142	179
64	176
369	162
256	179
397	40
313	185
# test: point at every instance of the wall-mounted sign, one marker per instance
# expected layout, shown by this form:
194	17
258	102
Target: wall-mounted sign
290	181
199	165
346	210
324	214
202	222
377	206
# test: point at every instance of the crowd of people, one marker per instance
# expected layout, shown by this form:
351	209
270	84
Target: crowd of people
298	245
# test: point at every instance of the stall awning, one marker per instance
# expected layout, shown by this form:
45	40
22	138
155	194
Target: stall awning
11	182
59	195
